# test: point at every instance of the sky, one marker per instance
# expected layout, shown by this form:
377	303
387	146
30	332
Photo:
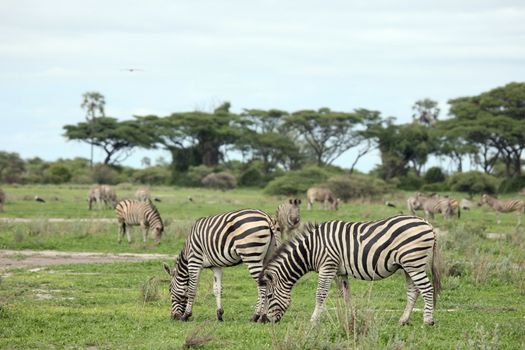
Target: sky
380	55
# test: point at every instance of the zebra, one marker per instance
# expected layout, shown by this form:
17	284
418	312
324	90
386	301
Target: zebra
94	195
131	212
142	194
500	206
216	242
364	250
435	204
324	195
102	194
288	216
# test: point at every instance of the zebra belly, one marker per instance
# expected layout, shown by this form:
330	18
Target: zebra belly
222	260
378	273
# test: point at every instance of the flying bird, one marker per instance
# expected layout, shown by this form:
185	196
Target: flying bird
133	69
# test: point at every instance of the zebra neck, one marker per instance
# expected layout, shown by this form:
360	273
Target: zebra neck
297	260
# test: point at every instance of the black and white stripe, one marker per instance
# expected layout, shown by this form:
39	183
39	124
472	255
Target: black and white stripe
216	242
504	206
288	216
364	250
133	212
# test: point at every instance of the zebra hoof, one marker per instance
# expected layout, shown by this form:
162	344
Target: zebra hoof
255	318
429	322
185	317
220	312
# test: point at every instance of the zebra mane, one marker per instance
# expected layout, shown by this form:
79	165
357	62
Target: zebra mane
305	230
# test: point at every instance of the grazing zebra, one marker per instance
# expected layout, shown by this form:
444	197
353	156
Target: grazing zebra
132	212
434	204
216	242
323	195
2	200
500	206
102	194
288	216
142	195
365	250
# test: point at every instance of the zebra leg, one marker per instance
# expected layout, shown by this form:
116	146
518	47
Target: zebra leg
498	218
342	284
412	294
420	279
121	231
144	232
192	291
217	290
128	234
326	275
255	266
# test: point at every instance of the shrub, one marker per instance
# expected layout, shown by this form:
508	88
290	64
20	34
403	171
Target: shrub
435	187
196	174
410	182
433	175
513	184
57	174
357	186
297	182
251	177
473	182
152	176
222	181
104	174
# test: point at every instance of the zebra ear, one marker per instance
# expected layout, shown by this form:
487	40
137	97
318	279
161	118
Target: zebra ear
297	202
167	268
290	201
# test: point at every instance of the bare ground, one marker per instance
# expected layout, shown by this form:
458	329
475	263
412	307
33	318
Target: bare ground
33	258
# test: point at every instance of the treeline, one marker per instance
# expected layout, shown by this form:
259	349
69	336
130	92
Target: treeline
488	130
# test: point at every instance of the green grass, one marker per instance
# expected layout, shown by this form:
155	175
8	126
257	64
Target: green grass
103	305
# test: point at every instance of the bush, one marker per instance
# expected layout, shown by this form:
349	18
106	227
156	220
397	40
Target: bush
57	174
473	182
357	186
297	181
222	181
104	174
433	175
435	187
513	184
410	182
251	177
196	174
152	176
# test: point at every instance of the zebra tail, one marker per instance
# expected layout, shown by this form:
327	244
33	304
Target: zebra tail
459	211
436	278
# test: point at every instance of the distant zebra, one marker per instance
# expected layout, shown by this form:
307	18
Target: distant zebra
142	194
102	194
216	242
365	250
2	200
323	195
435	204
132	212
94	196
506	206
288	217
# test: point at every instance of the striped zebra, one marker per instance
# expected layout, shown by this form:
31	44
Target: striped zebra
216	242
142	194
102	194
506	206
435	204
131	212
364	250
288	217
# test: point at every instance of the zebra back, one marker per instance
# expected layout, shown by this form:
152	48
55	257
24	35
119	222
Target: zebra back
134	212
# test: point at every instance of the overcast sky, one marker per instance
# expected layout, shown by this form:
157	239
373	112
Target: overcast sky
381	55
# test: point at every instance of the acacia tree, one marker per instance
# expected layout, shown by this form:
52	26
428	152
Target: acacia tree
267	138
494	122
116	138
94	103
426	111
328	134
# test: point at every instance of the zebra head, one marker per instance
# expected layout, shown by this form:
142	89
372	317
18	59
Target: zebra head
278	296
157	231
483	200
293	213
178	288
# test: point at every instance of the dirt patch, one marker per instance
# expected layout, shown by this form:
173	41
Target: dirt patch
33	258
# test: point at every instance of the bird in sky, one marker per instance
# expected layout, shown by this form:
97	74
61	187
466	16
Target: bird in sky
133	69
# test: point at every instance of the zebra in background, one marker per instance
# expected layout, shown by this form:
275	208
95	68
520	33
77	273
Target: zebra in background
365	250
102	194
435	204
216	242
132	212
323	195
288	217
501	206
142	194
2	200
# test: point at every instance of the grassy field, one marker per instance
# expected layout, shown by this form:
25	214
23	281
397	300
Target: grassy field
106	305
